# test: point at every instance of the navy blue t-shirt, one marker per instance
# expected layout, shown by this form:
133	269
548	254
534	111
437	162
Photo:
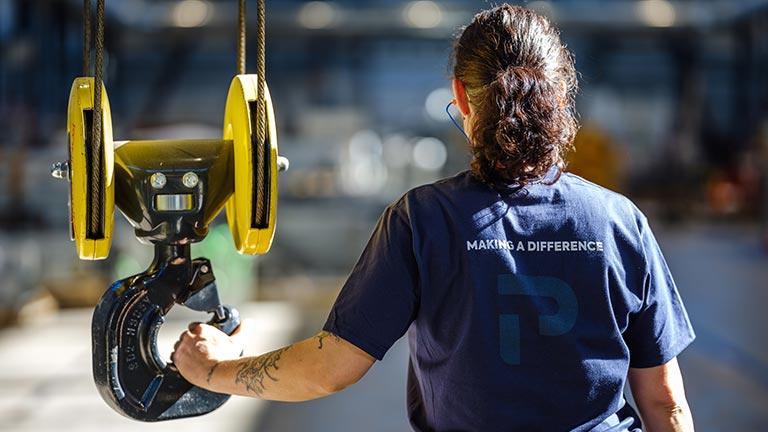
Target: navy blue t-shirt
524	307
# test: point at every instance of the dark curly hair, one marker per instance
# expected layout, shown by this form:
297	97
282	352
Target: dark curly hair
521	82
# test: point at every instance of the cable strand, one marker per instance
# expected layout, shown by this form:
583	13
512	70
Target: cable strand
97	133
86	38
241	23
261	130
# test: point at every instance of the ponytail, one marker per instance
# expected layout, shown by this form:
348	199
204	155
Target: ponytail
523	120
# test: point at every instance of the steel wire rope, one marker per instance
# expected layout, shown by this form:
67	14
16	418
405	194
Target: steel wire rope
261	130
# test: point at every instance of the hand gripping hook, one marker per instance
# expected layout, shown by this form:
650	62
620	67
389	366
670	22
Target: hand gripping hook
129	372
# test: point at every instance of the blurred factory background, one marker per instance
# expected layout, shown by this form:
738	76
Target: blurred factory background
674	108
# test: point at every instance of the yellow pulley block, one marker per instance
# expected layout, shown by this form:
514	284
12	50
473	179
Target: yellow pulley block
91	172
252	208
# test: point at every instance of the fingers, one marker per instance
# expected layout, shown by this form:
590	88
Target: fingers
176	346
204	330
204	339
195	327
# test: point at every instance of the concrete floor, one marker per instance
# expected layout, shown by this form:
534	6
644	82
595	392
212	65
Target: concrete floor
722	275
46	382
45	378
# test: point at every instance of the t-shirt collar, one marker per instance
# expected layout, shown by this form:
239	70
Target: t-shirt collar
549	178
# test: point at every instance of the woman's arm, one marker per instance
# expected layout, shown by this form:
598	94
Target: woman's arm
660	396
319	366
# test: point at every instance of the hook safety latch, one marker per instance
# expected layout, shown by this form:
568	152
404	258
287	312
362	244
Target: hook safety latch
128	370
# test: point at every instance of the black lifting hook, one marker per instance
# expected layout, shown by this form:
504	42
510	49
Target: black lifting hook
129	372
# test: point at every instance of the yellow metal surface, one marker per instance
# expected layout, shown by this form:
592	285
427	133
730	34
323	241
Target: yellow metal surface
81	99
238	128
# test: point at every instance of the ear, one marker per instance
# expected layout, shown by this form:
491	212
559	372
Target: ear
460	96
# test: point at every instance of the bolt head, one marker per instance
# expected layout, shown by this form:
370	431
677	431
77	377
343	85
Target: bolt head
158	180
283	163
190	180
60	170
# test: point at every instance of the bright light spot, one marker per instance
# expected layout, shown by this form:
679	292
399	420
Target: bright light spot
430	154
436	102
367	178
363	169
317	15
191	13
397	151
423	14
656	13
364	144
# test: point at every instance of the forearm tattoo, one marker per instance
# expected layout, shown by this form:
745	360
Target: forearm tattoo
254	371
322	335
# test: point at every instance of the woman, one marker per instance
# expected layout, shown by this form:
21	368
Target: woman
530	296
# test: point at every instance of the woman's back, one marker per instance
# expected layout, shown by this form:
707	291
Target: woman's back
524	301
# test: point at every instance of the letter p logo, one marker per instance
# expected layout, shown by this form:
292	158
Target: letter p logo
556	324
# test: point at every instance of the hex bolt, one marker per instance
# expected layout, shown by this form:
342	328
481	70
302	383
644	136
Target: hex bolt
158	180
190	180
60	170
283	163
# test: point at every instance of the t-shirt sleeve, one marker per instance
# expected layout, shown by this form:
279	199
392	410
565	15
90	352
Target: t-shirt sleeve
660	330
379	299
